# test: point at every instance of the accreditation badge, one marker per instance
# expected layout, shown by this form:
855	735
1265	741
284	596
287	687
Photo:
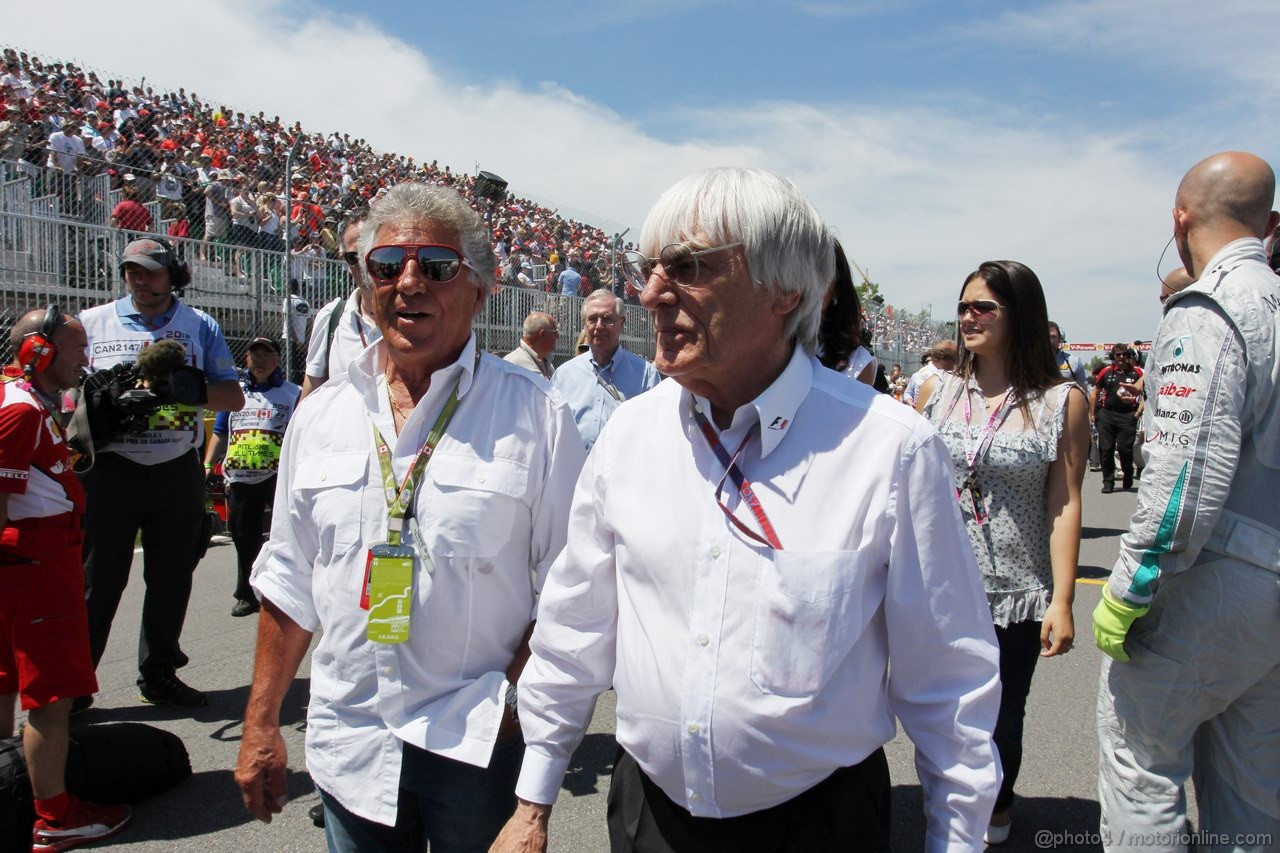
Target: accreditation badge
388	592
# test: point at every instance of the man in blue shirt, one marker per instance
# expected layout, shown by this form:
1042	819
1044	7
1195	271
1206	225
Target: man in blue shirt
152	480
596	382
571	278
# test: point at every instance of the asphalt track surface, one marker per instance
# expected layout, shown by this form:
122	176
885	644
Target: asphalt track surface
1057	790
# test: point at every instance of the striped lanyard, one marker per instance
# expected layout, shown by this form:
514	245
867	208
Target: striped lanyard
733	472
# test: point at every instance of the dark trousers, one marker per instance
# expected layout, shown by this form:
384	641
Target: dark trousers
165	502
1116	431
1019	651
457	807
849	810
246	507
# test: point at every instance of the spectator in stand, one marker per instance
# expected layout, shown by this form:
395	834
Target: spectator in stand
217	209
244	215
570	278
66	149
268	222
297	314
130	215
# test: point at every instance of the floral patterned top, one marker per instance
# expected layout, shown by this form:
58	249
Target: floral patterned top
1012	549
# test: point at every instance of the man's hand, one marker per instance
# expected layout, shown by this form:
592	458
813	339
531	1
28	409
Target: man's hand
1112	620
526	831
261	771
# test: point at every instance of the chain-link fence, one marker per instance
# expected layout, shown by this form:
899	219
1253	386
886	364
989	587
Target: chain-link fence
76	265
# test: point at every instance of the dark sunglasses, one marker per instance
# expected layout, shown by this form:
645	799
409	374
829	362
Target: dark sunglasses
437	263
981	309
352	258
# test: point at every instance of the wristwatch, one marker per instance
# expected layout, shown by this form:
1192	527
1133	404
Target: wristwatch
511	702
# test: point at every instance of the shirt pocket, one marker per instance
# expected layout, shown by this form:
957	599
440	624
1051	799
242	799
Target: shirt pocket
474	505
329	489
805	623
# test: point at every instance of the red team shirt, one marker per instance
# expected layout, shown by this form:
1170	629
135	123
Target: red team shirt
35	467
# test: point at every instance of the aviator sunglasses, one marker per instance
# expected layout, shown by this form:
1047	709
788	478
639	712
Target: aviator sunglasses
437	263
981	309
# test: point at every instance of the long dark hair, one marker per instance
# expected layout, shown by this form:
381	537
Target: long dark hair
1030	361
840	332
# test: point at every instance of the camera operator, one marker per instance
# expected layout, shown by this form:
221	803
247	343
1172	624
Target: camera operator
152	480
44	637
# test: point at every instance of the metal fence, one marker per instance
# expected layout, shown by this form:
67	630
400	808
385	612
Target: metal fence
76	265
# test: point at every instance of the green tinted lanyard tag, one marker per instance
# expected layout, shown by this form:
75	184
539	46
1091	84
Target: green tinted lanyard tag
400	500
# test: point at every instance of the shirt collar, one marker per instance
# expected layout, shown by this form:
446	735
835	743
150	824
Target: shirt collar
365	371
775	409
1244	249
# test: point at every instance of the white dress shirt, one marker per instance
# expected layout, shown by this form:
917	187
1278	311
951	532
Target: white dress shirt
354	334
746	676
492	510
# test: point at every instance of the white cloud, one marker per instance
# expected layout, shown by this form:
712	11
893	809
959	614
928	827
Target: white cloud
1230	39
919	194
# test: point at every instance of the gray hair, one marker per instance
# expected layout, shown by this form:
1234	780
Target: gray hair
787	246
417	202
600	296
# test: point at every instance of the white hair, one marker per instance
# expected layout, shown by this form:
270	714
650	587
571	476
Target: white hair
600	296
416	202
787	245
536	322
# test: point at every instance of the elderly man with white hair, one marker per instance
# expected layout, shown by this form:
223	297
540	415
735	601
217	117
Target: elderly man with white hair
423	495
767	563
596	382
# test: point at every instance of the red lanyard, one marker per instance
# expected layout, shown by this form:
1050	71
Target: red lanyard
733	472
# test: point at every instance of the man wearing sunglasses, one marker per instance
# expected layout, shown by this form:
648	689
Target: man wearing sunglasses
753	543
595	383
1189	619
343	328
420	501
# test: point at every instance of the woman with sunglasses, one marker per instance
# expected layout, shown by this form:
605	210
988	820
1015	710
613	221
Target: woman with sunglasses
840	334
1019	436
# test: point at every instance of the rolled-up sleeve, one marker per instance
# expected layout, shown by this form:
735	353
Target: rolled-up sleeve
944	682
574	644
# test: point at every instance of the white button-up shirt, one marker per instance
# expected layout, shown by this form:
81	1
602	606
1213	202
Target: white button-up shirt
492	511
746	676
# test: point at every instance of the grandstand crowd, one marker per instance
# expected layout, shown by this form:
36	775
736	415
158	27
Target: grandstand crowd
220	174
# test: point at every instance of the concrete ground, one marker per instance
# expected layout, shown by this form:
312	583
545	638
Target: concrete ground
1057	789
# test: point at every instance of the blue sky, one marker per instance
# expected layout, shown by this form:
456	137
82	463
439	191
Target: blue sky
932	136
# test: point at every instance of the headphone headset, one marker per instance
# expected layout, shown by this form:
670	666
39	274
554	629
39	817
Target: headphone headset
179	272
37	351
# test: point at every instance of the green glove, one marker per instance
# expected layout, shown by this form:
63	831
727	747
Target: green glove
1112	619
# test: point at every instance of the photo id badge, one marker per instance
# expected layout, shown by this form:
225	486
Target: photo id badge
390	592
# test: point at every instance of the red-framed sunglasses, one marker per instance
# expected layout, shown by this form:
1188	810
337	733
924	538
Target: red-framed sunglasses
436	262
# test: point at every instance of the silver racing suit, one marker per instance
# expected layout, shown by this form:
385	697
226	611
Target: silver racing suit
1203	552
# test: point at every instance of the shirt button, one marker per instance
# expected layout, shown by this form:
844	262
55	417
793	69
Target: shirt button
482	478
696	797
324	477
693	728
386	670
703	639
715	551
